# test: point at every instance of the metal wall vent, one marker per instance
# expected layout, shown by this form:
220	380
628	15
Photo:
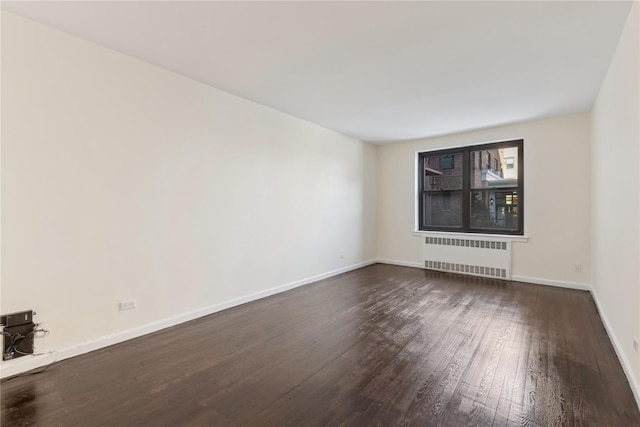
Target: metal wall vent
476	270
466	243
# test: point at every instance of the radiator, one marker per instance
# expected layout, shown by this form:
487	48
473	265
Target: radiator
477	257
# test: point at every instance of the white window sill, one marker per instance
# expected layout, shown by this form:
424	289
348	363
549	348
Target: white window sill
453	235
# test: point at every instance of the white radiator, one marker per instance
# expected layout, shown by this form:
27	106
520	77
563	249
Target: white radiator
484	257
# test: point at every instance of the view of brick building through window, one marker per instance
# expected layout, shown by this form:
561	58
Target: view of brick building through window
492	192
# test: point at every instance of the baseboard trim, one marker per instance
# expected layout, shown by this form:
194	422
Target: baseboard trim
515	278
400	263
626	364
549	282
27	363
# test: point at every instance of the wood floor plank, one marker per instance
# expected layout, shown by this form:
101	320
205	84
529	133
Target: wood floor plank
379	346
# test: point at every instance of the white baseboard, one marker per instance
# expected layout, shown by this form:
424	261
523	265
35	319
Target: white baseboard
26	363
400	263
549	282
617	346
515	278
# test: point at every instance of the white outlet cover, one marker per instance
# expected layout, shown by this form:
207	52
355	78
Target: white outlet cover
127	305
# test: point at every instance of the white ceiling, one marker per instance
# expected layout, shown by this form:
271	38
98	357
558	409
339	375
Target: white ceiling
379	71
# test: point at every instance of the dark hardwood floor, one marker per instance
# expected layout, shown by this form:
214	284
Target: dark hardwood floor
380	346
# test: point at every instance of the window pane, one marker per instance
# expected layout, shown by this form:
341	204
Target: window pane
446	161
495	209
443	172
442	208
502	172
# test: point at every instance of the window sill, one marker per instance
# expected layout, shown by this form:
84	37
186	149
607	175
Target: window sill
450	234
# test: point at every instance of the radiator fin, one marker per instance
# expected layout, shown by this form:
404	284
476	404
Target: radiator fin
476	270
468	243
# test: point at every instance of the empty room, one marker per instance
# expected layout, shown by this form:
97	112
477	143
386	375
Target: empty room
320	213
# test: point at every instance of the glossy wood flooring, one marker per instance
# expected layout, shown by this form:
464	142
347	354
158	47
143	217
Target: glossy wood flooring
380	346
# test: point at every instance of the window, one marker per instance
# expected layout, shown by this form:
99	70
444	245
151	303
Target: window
510	162
446	161
460	192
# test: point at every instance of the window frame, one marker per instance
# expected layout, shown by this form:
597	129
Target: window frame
467	190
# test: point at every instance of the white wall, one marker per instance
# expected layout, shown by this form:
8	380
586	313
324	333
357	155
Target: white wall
557	197
123	180
616	197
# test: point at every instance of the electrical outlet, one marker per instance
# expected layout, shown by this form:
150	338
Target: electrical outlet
577	268
636	344
127	305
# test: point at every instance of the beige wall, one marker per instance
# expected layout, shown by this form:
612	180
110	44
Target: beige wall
123	180
616	197
557	197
